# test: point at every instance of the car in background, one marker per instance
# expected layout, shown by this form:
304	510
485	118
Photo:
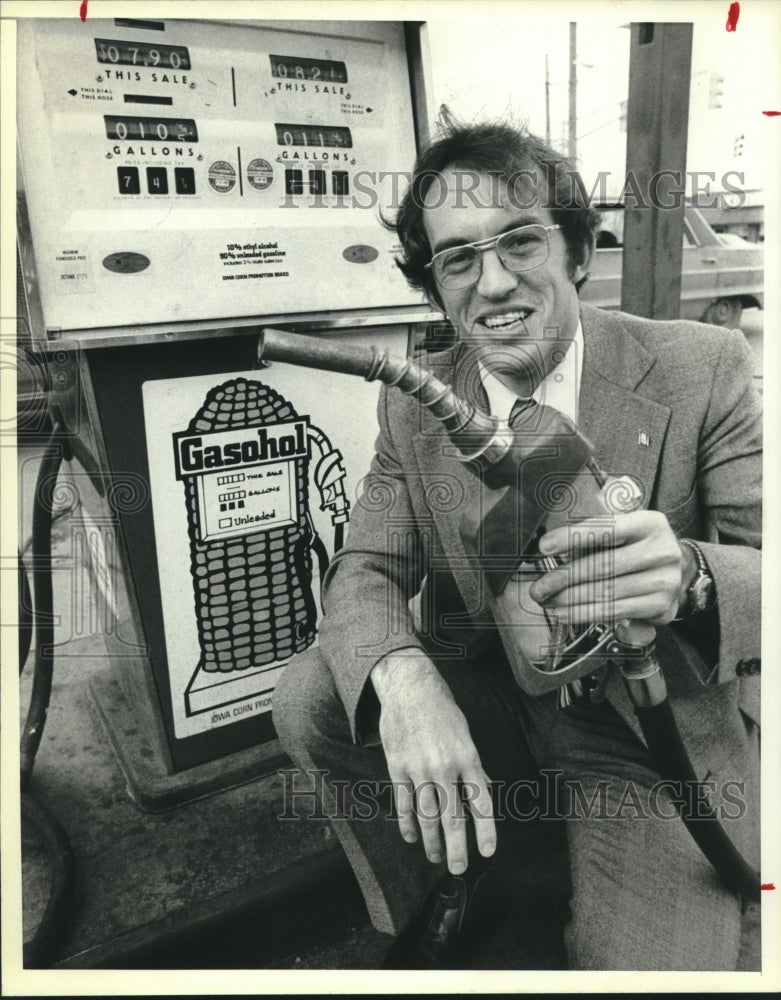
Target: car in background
733	240
719	279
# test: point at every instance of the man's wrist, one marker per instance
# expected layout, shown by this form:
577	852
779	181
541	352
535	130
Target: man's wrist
387	671
688	573
697	592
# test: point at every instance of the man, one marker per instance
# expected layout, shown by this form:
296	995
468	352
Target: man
499	235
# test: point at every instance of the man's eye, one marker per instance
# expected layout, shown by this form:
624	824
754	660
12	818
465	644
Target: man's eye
521	242
458	260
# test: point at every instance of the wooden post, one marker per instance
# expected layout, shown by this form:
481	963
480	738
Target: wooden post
657	123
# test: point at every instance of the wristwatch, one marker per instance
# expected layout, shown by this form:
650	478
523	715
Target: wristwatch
701	592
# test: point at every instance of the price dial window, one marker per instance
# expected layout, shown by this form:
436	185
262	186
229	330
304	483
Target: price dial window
295	68
333	136
128	127
112	52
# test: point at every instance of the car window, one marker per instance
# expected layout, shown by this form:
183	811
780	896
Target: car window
610	235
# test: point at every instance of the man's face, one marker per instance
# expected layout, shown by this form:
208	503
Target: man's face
514	321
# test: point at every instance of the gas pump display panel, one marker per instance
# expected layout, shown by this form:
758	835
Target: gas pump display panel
185	171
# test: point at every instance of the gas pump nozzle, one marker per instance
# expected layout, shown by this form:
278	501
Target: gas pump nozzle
479	438
543	467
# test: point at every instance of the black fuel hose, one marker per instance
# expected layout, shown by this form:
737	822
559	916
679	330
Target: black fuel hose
664	741
44	605
25	614
43	943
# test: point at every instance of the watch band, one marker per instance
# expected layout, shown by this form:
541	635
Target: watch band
701	592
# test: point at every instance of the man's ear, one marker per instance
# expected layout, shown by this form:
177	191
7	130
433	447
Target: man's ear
587	255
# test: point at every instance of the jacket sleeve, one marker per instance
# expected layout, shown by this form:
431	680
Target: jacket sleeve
729	483
370	582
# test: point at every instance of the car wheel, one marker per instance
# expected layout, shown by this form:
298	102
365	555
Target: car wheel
724	312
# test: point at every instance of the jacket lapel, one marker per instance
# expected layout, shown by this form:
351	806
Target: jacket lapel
627	429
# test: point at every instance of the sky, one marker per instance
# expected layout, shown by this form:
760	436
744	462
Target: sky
494	65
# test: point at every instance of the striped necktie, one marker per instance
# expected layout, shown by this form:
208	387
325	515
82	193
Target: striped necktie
521	411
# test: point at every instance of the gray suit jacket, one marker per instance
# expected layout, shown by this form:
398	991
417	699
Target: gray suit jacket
670	403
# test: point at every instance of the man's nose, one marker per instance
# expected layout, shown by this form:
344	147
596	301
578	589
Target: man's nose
495	280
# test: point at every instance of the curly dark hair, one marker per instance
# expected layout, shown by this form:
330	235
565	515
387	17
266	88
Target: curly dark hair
501	151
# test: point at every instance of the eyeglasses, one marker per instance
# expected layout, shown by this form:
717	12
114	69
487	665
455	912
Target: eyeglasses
519	250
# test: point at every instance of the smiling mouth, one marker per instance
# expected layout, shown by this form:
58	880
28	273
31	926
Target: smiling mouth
506	321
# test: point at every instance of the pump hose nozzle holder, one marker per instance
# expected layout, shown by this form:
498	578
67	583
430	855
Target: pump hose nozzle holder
492	447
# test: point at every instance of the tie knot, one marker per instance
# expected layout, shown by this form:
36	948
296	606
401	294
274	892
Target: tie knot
520	411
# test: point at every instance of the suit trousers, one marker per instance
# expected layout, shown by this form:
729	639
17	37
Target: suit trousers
642	895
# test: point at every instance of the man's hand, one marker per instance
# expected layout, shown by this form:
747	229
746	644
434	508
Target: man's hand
431	758
629	567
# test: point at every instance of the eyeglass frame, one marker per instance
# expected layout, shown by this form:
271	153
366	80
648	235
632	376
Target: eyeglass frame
489	244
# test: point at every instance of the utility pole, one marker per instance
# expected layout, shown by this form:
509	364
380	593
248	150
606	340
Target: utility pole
573	84
547	101
657	125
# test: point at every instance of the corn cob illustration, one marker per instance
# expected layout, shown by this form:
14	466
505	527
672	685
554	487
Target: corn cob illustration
253	596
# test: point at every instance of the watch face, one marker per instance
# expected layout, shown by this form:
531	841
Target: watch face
701	591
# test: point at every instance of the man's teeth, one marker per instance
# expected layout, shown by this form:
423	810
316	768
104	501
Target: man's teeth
505	320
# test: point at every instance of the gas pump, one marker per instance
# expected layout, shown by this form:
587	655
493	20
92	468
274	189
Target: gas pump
183	183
